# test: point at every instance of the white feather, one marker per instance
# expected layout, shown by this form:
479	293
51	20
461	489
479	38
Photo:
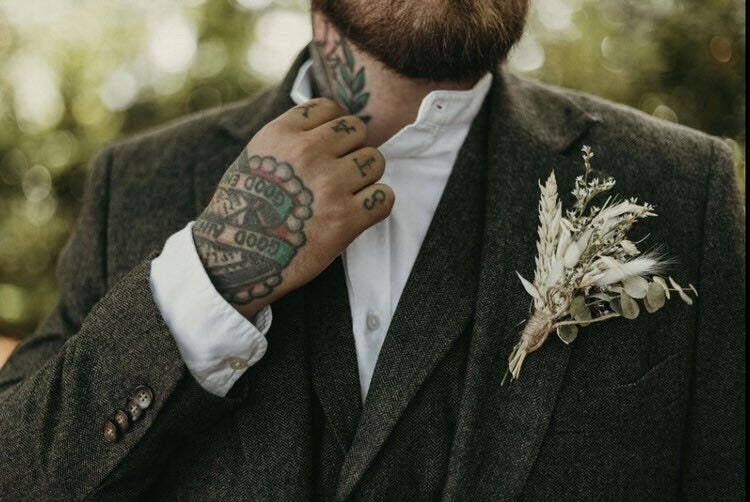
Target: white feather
556	270
564	241
616	271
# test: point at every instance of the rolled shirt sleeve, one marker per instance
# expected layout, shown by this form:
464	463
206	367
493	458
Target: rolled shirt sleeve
216	342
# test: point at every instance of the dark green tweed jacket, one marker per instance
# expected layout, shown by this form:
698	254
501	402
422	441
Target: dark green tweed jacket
651	409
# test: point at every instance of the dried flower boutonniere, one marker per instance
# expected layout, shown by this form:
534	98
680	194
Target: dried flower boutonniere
587	270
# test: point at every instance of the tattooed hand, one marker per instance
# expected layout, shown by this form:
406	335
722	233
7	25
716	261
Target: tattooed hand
298	194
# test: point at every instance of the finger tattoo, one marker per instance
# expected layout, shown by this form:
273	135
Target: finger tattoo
253	227
343	126
305	109
363	165
377	198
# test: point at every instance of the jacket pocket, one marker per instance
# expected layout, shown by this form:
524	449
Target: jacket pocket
622	406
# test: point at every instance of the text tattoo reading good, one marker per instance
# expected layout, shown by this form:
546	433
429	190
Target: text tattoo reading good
253	227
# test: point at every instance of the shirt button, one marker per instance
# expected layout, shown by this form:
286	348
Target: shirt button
143	396
237	363
110	432
373	322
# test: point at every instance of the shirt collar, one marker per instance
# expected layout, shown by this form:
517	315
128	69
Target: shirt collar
302	88
439	108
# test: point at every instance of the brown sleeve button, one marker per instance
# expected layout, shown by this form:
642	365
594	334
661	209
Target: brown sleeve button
144	396
122	421
110	432
134	410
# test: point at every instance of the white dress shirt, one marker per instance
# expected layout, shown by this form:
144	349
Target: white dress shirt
218	344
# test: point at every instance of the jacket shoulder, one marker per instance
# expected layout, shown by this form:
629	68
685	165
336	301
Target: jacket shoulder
635	138
197	133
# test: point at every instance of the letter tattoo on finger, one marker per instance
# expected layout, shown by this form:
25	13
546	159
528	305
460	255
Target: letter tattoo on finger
343	126
377	198
364	165
305	109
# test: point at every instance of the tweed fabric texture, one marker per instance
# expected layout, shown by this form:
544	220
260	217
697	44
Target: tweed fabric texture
651	409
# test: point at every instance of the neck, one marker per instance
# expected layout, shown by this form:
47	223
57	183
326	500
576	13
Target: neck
387	101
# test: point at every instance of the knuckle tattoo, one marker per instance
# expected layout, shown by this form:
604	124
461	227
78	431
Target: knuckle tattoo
378	198
305	109
365	165
343	126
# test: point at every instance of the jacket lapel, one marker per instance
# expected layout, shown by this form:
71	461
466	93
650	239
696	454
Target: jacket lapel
501	428
436	306
333	356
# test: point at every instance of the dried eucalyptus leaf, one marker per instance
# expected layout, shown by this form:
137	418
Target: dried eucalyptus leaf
692	288
584	317
567	333
616	305
661	282
685	297
579	311
635	287
630	309
674	284
655	296
601	296
577	305
649	308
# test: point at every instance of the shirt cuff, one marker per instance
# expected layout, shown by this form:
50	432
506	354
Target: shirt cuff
216	342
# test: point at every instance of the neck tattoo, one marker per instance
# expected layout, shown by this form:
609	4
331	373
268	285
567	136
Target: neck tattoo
335	71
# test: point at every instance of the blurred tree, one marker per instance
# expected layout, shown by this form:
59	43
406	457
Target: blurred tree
680	60
76	74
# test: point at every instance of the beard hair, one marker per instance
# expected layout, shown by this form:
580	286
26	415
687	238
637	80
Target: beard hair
435	40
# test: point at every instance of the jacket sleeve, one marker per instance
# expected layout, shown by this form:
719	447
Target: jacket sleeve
714	449
61	386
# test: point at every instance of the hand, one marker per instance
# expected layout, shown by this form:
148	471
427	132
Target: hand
7	345
298	194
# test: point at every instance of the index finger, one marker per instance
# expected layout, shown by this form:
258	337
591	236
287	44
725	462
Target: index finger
311	114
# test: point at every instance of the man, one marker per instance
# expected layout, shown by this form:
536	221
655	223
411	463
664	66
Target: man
336	323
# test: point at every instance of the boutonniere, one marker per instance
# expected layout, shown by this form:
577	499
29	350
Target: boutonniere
587	270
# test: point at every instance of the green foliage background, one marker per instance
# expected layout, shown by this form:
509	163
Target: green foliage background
76	74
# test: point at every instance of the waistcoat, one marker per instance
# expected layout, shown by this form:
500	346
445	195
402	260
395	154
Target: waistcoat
420	443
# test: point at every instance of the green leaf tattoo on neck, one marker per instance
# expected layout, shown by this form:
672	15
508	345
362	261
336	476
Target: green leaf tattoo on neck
336	73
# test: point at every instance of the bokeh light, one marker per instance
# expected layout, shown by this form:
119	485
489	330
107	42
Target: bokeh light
38	105
280	35
172	44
